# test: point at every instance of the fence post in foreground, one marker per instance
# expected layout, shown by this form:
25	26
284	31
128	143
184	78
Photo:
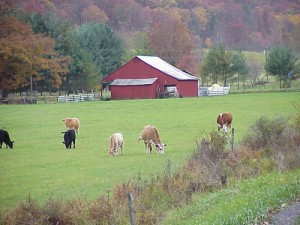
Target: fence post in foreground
280	161
232	138
131	208
188	196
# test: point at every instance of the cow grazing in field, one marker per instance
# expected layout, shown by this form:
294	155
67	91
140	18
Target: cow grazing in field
72	123
224	121
69	138
150	136
4	137
116	142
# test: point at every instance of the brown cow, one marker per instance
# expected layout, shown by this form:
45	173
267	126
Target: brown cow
224	121
115	142
150	136
72	123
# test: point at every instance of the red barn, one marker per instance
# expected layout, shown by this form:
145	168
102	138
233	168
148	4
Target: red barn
150	77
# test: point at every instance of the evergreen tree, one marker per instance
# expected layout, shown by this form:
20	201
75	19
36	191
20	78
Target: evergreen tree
218	64
239	66
281	64
104	46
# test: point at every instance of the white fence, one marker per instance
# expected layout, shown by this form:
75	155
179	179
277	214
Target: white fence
78	98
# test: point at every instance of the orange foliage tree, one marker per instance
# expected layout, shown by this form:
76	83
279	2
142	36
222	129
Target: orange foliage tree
94	14
23	55
170	37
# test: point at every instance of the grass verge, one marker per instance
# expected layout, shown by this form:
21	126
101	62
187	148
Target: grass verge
242	203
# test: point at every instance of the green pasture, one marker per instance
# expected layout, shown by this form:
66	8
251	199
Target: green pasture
40	167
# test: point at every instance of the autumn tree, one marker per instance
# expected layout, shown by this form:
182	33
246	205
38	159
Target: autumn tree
94	14
83	73
170	37
28	55
281	63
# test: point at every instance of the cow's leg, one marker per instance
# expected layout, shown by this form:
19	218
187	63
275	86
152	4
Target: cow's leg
74	144
146	147
121	147
150	148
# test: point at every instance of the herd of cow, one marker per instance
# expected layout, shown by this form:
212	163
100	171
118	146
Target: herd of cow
149	135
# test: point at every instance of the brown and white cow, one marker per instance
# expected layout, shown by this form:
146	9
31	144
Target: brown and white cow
150	136
72	123
224	121
116	142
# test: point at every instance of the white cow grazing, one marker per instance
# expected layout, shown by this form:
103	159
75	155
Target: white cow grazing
116	142
150	136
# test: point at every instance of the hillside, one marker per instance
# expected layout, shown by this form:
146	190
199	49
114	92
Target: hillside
249	25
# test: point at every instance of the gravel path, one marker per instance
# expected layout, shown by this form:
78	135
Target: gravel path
287	215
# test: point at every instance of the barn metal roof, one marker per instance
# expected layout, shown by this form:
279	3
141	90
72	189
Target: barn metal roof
166	68
125	82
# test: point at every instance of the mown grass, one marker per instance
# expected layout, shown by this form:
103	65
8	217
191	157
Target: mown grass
40	167
242	203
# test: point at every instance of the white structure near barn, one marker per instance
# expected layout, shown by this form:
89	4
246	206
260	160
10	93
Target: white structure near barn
214	90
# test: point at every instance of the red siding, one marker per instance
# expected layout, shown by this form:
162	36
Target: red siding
137	69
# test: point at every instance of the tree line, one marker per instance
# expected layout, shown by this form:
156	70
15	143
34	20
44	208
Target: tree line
224	66
55	45
54	54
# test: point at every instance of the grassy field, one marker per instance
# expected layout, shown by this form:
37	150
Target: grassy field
39	166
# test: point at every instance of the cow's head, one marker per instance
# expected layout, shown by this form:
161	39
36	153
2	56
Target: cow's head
221	124
224	127
160	148
11	144
67	144
112	151
220	121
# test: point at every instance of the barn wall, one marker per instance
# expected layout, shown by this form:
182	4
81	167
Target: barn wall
188	88
133	91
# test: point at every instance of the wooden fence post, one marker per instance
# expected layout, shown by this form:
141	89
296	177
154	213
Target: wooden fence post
168	168
280	161
232	138
188	196
131	208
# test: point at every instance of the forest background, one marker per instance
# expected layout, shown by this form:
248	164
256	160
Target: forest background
72	44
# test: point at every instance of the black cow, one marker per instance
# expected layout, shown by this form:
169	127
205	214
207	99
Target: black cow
69	137
4	137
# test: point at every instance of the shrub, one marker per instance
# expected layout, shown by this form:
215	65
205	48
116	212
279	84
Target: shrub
297	116
27	212
264	132
277	140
